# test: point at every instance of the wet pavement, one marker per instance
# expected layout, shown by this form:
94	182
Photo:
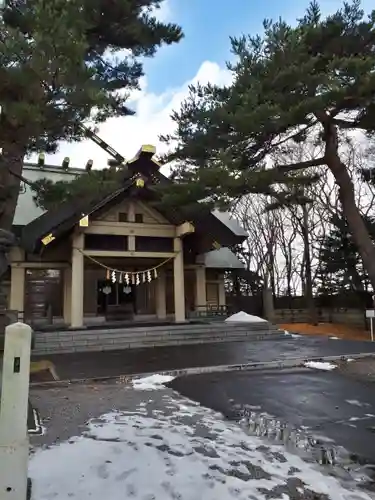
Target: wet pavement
324	404
132	361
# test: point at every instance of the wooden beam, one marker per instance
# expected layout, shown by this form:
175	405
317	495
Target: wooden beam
131	229
41	265
184	229
114	253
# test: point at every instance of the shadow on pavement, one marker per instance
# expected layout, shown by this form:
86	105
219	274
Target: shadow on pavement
324	413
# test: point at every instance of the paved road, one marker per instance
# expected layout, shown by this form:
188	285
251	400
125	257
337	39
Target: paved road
327	403
115	363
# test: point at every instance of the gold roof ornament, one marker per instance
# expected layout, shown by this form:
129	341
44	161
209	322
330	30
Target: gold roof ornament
84	222
48	239
148	150
140	183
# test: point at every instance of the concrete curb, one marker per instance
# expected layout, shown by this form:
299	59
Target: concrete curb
252	366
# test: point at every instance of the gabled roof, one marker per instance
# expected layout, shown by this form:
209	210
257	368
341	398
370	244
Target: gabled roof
223	258
63	219
233	224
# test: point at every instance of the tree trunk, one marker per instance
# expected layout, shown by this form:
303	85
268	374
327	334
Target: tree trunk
354	218
10	174
11	164
308	274
351	212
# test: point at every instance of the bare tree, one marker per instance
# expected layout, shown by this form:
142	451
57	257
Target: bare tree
261	244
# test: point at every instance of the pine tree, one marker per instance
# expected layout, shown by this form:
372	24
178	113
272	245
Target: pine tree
340	264
62	62
313	81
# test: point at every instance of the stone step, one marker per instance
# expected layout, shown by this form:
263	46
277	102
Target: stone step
127	338
113	336
120	332
102	344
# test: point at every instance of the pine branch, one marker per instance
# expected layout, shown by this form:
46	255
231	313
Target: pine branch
292	167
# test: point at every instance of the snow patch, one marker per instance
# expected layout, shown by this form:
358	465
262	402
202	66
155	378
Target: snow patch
293	335
242	317
355	402
201	456
152	382
334	338
320	365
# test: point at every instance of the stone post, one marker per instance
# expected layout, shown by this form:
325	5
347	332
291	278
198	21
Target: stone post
14	442
17	289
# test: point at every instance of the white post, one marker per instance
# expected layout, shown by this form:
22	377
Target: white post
14	441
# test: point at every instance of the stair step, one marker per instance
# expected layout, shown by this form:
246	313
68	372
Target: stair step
138	337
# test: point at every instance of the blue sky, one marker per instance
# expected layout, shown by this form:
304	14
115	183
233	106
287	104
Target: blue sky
200	56
208	24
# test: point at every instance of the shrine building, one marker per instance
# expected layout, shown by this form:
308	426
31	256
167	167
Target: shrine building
121	257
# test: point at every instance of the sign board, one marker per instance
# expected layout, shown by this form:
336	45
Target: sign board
370	313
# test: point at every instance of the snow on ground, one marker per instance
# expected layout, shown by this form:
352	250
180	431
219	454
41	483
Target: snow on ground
335	338
320	365
181	451
294	335
152	382
242	317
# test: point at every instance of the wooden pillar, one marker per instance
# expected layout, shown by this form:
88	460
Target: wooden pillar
17	289
179	282
268	306
222	298
200	289
77	282
67	295
161	301
131	218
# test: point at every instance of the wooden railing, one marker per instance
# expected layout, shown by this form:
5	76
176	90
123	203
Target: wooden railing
209	311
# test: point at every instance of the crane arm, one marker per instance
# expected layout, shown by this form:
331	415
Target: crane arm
106	147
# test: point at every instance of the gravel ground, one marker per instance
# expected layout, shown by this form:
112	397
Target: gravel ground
65	410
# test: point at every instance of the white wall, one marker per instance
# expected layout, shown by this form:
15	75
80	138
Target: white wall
27	210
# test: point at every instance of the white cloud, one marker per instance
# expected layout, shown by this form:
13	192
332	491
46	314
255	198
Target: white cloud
164	13
152	118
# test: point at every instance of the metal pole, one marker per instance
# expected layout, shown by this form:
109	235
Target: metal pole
372	328
14	441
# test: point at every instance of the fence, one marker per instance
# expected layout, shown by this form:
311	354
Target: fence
354	317
346	308
345	300
249	304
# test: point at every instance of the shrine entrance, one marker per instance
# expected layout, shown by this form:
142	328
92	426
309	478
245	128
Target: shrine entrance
116	300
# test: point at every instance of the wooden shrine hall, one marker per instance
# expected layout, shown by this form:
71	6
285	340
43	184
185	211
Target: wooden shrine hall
124	256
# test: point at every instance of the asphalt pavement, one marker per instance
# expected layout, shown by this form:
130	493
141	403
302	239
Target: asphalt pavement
132	361
325	404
